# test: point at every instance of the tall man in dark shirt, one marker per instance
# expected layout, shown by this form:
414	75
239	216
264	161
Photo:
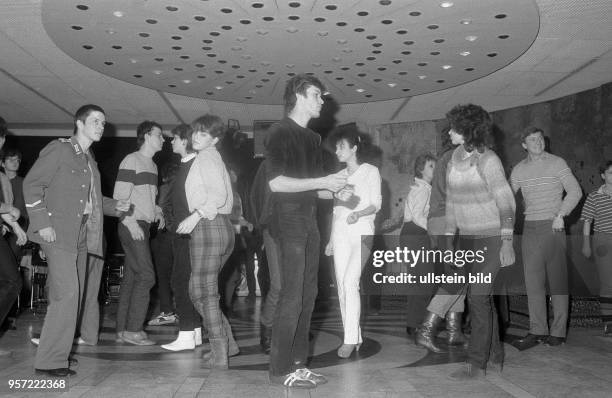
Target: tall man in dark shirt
295	177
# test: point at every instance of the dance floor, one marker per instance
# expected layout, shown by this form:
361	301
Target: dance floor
388	364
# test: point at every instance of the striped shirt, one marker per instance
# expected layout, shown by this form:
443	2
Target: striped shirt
137	182
542	182
598	207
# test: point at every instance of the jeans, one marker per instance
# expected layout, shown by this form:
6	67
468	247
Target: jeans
271	301
298	237
138	279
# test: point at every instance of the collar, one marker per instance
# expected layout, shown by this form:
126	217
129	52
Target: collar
75	145
421	182
602	191
545	156
188	157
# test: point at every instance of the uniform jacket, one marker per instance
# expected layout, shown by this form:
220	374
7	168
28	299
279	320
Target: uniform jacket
56	191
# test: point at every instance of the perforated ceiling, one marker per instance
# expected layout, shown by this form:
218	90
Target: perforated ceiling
244	51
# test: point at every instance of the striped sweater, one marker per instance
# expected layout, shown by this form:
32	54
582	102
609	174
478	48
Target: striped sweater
479	201
542	182
137	182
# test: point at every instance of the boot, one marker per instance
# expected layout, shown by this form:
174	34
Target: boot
426	335
453	326
184	341
198	336
218	354
265	338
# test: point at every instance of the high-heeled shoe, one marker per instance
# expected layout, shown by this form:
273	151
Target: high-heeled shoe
345	350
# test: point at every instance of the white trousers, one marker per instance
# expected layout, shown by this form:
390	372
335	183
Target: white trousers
350	255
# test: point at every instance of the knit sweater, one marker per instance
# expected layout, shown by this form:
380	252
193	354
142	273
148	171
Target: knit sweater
137	182
479	201
542	182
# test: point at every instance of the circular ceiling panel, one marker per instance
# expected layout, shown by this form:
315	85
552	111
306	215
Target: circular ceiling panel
244	51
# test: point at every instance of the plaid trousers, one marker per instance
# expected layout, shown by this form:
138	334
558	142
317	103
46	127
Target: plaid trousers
211	244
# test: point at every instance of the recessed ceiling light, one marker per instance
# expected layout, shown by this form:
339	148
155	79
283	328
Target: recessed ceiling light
384	2
466	21
132	60
446	4
422	77
110	31
446	66
118	14
360	90
464	53
471	38
186	81
157	72
219	87
391	84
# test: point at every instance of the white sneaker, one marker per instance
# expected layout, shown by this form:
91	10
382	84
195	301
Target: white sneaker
163	319
35	341
198	336
184	341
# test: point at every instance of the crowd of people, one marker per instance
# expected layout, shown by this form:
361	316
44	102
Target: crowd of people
462	200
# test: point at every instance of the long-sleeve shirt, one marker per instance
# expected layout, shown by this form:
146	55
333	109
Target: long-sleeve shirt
542	182
416	207
437	201
208	185
137	182
479	201
6	192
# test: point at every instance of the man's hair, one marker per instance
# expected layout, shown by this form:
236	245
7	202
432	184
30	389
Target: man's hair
473	123
420	162
184	132
605	166
145	128
212	124
10	152
298	84
83	112
530	130
3	128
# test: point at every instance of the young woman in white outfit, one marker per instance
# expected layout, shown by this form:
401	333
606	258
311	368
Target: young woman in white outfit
354	211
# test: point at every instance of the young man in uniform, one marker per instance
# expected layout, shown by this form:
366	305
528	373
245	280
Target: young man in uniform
65	206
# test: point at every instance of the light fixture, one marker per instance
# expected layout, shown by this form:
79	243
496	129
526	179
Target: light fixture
186	81
110	31
360	90
219	87
446	66
446	4
464	53
132	60
118	14
391	84
422	77
471	38
157	72
466	21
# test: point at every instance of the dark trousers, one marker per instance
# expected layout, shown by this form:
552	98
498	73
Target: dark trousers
484	342
10	280
189	318
138	279
298	237
161	247
419	295
271	301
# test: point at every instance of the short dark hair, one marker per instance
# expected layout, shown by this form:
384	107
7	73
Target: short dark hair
10	152
184	132
212	124
473	123
420	162
3	127
145	128
83	112
530	130
605	166
298	84
352	136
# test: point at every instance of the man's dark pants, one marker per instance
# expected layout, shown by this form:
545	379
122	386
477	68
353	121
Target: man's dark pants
298	237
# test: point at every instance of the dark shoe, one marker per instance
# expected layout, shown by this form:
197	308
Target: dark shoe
495	367
136	338
469	372
607	329
553	341
58	372
265	339
453	326
217	358
72	362
411	331
426	335
529	341
293	380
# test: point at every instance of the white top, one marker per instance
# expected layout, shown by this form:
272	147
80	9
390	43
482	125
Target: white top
416	207
366	186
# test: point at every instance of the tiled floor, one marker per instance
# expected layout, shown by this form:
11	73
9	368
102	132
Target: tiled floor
388	365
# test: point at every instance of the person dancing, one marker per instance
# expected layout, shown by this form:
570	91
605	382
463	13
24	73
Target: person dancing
352	226
209	198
